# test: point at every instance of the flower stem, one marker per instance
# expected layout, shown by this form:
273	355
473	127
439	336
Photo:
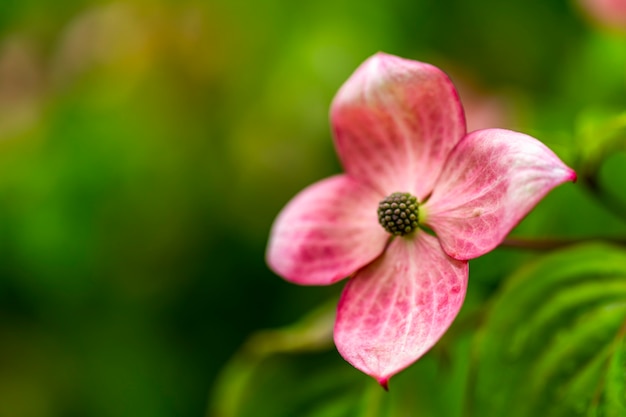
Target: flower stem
606	198
372	401
598	143
552	244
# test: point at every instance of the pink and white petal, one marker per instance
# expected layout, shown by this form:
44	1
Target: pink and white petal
395	309
326	232
609	13
395	121
492	179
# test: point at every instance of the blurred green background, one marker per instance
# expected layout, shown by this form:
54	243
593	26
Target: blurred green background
146	147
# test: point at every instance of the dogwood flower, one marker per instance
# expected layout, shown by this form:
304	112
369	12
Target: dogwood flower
609	13
418	199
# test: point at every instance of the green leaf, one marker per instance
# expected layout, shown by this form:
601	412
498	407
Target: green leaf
600	133
295	371
553	340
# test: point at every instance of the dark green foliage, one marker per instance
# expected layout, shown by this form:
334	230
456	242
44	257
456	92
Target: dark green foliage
553	340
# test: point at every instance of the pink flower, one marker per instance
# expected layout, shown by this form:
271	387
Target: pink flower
399	130
609	13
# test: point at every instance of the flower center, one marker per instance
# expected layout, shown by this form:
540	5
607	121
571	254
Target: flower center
398	214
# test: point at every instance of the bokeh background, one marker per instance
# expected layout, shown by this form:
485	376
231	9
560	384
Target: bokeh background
146	147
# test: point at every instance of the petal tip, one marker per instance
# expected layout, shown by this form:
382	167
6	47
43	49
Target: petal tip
382	57
384	382
568	176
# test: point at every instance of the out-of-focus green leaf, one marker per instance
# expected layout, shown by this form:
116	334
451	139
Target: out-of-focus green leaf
553	341
294	371
268	367
600	135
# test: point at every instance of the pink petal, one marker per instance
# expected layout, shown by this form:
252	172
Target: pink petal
395	309
493	178
395	121
611	13
326	232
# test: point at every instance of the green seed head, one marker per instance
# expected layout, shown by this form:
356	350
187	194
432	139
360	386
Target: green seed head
398	214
